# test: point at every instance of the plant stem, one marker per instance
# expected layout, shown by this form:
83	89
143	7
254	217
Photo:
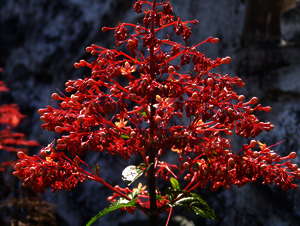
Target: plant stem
106	184
151	152
152	187
169	216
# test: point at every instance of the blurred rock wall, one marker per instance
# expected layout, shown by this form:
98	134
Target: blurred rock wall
40	40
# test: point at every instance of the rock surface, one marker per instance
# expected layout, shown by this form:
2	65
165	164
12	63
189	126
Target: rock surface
40	40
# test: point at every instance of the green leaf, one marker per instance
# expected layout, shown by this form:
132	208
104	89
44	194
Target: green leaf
184	201
205	213
199	198
198	205
124	136
114	206
175	184
198	211
144	113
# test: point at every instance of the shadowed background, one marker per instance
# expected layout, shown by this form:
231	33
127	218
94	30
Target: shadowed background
40	40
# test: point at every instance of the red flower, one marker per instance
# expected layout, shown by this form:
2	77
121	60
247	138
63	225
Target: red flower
10	117
50	169
145	101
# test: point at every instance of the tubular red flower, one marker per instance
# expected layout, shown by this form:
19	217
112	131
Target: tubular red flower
54	171
10	117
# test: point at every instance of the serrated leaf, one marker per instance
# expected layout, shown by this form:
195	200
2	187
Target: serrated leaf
198	205
198	211
205	213
114	206
199	198
183	201
202	208
175	184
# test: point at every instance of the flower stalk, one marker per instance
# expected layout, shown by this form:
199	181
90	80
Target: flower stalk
155	98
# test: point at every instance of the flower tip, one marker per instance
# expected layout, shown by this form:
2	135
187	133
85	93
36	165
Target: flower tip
210	81
226	60
76	65
55	96
241	98
195	21
267	108
21	155
15	173
292	155
59	129
104	29
171	69
253	143
42	111
89	49
213	40
254	100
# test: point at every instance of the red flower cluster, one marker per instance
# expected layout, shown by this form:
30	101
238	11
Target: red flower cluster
159	96
221	168
49	169
10	117
141	195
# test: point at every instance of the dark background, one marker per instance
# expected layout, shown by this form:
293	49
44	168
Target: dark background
41	39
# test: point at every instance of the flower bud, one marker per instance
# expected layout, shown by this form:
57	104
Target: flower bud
77	65
186	165
69	89
132	133
226	60
230	162
55	96
253	100
213	40
241	98
42	111
105	29
266	108
59	129
18	165
253	143
210	81
21	155
171	69
89	49
292	155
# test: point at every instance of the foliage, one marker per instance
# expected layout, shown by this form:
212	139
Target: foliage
114	206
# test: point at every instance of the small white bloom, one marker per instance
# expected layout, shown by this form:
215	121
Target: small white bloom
130	173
